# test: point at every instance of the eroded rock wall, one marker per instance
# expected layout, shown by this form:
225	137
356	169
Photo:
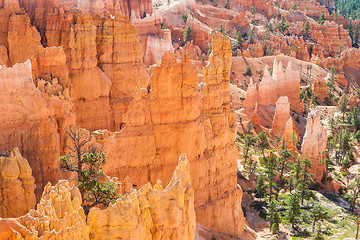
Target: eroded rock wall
17	185
38	119
148	213
280	84
314	144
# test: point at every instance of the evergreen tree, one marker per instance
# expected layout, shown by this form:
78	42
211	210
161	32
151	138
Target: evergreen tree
293	209
283	25
271	168
250	35
260	187
273	217
262	143
354	192
87	164
318	215
307	29
331	83
322	18
305	179
187	34
356	36
285	155
239	40
343	106
184	17
351	33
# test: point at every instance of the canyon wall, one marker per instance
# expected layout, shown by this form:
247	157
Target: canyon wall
180	116
39	121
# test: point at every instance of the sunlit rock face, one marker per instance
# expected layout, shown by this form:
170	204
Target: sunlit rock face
281	83
179	115
282	115
152	212
38	120
314	144
17	185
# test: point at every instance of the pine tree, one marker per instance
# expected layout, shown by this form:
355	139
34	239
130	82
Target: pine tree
305	179
343	106
239	40
86	163
318	215
354	192
260	187
293	209
187	34
351	33
356	36
271	167
285	155
273	217
283	25
307	29
262	143
322	18
250	36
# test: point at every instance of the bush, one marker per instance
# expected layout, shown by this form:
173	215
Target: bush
248	71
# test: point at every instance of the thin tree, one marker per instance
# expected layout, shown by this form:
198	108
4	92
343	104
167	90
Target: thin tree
273	217
293	209
343	106
260	187
318	215
285	155
322	18
283	25
187	34
271	168
262	143
354	192
307	29
251	36
86	163
305	179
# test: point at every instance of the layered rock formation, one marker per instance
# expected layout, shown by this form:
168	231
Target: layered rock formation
314	144
17	185
268	91
177	116
39	121
120	57
149	213
282	115
58	215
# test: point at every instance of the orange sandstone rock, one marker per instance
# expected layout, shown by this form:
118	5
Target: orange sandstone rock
150	213
58	215
17	185
32	120
314	144
270	88
282	115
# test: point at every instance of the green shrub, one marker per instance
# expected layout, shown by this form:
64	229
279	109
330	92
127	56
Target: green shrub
248	71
